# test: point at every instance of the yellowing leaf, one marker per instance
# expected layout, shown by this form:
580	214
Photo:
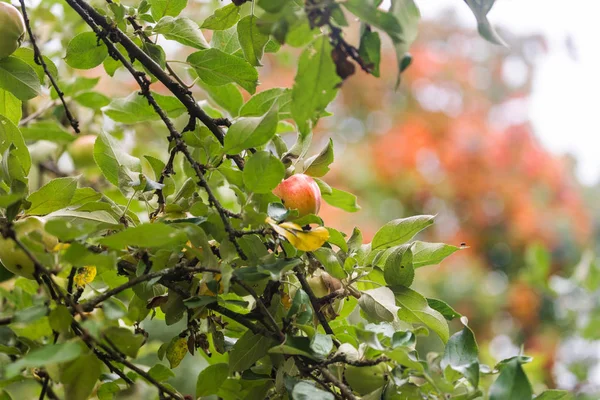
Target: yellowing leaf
61	246
176	350
302	240
85	276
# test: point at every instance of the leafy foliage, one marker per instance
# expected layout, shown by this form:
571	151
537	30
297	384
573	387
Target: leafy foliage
191	237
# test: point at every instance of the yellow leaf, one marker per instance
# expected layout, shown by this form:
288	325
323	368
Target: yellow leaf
176	350
309	240
61	246
85	276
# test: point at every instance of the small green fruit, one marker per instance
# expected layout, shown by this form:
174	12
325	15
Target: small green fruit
365	380
318	286
12	29
13	257
300	192
81	151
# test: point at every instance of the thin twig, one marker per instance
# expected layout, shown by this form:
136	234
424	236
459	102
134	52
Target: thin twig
135	52
313	301
346	391
92	303
39	59
111	33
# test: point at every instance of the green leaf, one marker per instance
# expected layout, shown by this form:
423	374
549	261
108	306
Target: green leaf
107	390
26	54
263	171
407	13
295	345
398	270
182	30
448	312
215	67
68	225
555	395
161	8
336	238
93	100
262	102
146	235
223	18
315	85
124	340
406	357
11	135
425	253
226	96
227	41
400	231
378	305
135	108
370	50
78	385
301	307
308	391
319	165
251	39
512	383
85	51
340	199
321	344
368	13
249	132
414	309
30	314
461	355
18	78
330	262
46	355
10	106
210	379
117	166
160	372
46	130
247	350
53	196
480	9
60	319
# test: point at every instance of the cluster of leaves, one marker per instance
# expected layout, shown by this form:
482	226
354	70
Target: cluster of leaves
279	305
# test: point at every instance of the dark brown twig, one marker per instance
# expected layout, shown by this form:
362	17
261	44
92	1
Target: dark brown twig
39	59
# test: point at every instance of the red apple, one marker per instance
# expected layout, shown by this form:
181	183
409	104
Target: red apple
12	29
300	192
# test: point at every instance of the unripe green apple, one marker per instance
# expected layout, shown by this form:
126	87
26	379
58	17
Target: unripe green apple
318	285
12	29
300	192
13	257
365	380
81	151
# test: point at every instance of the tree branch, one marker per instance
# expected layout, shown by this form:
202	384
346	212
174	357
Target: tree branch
313	301
92	303
39	59
181	92
112	33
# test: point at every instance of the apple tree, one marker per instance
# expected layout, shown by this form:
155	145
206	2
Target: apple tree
193	200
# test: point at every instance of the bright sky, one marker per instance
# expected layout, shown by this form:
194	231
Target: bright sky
566	90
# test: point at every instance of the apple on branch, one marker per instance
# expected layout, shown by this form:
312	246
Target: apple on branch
12	30
300	192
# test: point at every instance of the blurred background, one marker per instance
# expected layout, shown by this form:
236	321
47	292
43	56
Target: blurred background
500	143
